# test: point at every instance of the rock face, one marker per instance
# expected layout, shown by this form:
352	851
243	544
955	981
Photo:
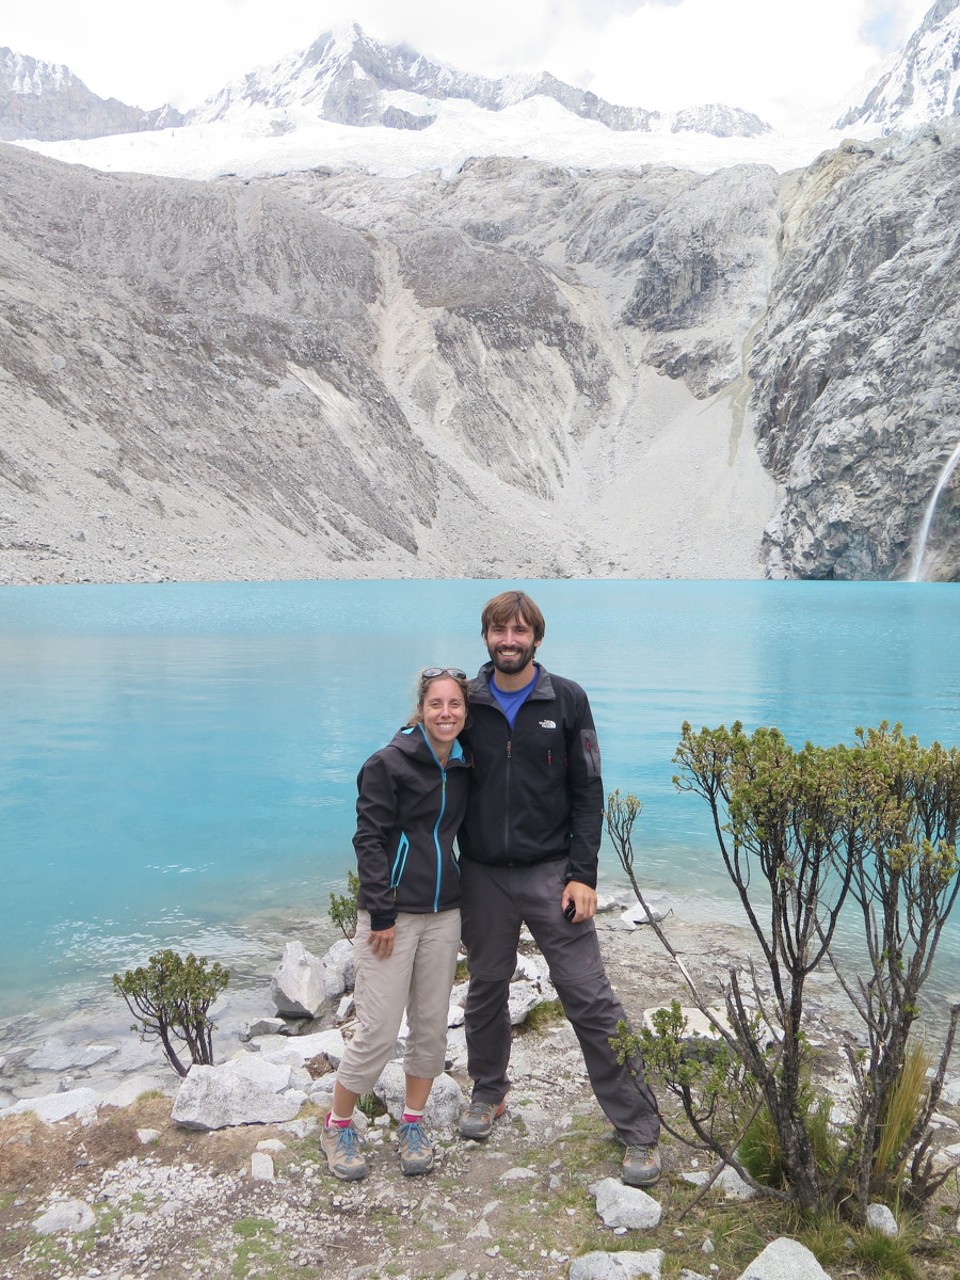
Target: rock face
519	370
315	375
45	100
856	401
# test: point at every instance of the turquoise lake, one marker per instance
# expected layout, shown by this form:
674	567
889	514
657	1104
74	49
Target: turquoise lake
177	761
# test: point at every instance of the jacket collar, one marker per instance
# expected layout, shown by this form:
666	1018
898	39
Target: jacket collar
480	687
413	741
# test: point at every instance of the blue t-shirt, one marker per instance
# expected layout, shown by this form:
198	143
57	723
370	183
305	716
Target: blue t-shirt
512	700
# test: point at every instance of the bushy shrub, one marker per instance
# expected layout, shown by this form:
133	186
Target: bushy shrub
171	998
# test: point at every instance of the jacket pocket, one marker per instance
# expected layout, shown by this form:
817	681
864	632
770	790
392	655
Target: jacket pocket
399	862
591	752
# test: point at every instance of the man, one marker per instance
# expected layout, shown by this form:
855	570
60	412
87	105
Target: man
529	849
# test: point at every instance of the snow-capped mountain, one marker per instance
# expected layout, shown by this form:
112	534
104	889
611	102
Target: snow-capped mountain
46	100
349	78
345	77
924	82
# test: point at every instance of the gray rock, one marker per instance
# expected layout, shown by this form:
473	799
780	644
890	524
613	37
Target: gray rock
66	1216
56	1054
526	996
300	1049
339	967
617	1266
638	915
298	987
880	1218
50	1108
263	1027
129	1089
260	1070
443	1107
218	1097
784	1259
345	1008
622	1206
727	1180
529	968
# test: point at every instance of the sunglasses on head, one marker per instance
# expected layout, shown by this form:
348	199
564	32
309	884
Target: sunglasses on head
431	673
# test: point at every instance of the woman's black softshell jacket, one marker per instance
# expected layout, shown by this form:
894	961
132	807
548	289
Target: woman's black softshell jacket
409	809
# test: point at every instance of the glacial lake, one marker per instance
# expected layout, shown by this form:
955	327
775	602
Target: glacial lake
178	761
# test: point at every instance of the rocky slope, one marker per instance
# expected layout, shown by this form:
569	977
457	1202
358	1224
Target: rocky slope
520	370
315	375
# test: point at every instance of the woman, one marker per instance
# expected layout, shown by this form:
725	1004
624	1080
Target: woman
412	796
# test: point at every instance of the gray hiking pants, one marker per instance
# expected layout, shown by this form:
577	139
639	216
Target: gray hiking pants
496	901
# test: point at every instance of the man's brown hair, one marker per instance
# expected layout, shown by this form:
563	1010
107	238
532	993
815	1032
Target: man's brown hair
510	605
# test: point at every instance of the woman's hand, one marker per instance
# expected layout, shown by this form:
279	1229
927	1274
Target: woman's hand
380	942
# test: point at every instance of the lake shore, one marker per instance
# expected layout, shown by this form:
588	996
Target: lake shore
164	1201
92	1044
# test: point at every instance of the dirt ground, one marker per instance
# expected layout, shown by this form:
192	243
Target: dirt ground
177	1203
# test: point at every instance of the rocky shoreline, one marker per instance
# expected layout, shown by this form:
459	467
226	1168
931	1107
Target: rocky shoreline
126	1189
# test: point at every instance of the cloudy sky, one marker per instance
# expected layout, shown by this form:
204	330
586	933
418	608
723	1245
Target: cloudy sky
791	62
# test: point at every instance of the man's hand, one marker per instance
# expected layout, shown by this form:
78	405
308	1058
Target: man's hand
380	942
583	898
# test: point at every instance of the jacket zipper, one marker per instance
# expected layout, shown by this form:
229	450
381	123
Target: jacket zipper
506	805
436	836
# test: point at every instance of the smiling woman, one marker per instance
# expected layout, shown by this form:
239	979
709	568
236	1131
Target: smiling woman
412	799
442	707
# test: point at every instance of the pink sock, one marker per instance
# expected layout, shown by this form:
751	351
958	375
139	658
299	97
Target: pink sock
411	1117
336	1122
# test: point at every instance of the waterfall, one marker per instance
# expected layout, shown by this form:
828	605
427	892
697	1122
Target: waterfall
920	548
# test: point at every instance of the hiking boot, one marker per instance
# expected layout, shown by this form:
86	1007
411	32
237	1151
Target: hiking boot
416	1149
641	1165
341	1146
477	1121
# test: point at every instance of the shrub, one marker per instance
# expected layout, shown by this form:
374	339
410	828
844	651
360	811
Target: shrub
343	907
806	836
171	997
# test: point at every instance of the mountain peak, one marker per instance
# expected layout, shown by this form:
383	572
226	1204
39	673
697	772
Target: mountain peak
46	100
348	77
924	82
21	74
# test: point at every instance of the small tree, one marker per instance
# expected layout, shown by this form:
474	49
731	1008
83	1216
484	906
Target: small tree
170	998
343	907
905	890
805	835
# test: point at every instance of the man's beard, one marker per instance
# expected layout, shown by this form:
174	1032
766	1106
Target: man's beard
515	662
